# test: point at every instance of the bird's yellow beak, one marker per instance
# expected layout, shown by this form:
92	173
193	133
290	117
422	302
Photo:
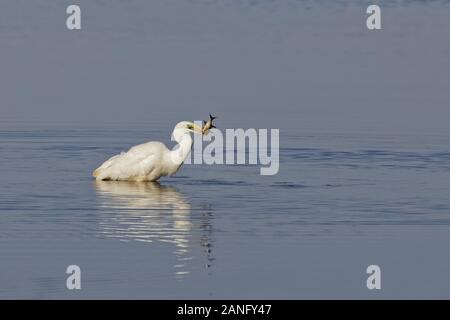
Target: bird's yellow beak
196	128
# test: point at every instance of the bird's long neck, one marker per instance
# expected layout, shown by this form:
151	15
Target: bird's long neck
181	150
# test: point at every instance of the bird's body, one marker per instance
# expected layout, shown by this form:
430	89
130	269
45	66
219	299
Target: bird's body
149	161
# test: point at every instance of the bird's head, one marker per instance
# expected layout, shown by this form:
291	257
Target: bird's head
185	127
188	126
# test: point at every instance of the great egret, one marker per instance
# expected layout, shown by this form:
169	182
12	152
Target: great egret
152	160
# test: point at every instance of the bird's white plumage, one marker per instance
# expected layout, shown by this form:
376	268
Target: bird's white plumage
149	161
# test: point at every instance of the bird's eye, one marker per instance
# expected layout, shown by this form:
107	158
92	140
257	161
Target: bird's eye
190	127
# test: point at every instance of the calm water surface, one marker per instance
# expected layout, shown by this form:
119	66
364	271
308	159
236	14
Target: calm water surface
340	203
365	149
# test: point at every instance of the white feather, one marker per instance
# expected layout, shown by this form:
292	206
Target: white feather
149	161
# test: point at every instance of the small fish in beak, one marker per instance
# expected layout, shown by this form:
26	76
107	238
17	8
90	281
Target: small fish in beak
207	125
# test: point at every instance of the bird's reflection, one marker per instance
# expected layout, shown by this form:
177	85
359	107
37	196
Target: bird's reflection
147	212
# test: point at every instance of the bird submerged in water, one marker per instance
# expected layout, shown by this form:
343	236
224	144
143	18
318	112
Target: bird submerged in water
152	160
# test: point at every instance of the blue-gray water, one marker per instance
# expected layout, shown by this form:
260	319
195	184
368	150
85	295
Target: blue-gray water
339	203
364	164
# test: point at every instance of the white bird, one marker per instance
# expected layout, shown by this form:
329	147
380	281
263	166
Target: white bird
152	160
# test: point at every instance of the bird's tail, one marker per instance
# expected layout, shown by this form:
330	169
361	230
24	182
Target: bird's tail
108	163
96	172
